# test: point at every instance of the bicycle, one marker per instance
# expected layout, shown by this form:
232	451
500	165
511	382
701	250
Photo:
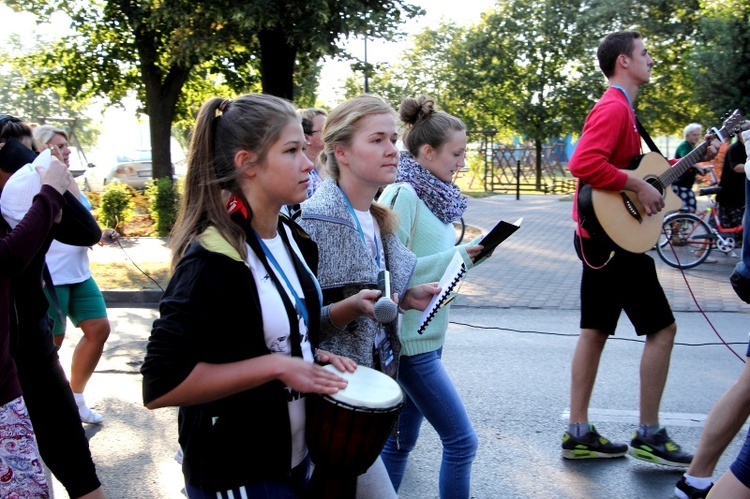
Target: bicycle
687	239
460	227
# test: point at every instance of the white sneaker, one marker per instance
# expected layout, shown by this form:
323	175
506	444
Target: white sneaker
89	416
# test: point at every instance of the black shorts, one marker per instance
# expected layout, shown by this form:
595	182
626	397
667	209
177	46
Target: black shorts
627	282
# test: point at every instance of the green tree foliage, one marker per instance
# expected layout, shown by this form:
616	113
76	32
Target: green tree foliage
669	28
720	61
518	70
532	49
156	47
40	105
529	67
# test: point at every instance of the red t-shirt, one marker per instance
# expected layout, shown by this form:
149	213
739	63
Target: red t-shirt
608	143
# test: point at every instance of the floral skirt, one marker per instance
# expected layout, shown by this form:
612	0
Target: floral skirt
21	470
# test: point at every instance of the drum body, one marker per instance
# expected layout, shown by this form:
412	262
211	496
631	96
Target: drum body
347	431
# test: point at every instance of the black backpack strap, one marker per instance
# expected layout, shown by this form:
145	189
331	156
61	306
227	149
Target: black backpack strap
646	137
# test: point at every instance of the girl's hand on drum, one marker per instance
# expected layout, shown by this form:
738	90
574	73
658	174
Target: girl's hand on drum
419	296
341	363
307	377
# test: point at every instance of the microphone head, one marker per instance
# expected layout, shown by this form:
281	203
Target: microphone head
385	310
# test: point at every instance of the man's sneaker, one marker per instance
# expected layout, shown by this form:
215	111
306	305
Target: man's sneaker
683	490
591	446
659	449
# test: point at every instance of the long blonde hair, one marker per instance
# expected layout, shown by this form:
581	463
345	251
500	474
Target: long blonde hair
252	122
341	125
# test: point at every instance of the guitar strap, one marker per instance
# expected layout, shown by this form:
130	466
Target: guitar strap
646	137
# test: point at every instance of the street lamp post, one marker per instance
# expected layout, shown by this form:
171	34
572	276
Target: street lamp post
367	69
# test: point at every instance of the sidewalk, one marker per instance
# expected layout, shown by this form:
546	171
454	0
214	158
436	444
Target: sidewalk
535	268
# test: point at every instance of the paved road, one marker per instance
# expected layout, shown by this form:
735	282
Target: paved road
508	349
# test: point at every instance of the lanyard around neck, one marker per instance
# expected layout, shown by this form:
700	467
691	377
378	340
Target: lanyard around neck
622	89
359	228
275	263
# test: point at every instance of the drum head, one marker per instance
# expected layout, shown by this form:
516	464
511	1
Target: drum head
367	388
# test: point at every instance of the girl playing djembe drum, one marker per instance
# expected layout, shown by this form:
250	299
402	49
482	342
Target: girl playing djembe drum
244	287
357	241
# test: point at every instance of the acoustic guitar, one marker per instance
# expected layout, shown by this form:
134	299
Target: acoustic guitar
621	216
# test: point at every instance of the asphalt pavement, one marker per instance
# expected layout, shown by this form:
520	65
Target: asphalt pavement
512	333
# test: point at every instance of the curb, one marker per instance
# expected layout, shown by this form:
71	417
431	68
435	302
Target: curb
124	298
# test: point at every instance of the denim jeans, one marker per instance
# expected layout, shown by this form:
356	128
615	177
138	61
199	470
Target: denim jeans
430	393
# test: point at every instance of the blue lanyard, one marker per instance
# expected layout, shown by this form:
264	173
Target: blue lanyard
359	228
621	89
297	299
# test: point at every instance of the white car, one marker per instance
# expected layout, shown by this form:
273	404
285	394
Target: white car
132	168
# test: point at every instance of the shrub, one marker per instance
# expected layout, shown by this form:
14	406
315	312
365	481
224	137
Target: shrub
164	201
116	205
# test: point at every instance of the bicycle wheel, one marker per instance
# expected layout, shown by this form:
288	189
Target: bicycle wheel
685	242
460	227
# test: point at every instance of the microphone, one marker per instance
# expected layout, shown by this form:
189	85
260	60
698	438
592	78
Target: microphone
385	310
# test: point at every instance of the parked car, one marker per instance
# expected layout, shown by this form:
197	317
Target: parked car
132	168
77	165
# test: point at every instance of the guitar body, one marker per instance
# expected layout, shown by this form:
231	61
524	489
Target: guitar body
622	216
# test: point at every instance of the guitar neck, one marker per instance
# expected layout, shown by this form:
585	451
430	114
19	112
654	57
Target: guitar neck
684	164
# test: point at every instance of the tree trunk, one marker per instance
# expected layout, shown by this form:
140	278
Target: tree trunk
161	100
160	128
277	60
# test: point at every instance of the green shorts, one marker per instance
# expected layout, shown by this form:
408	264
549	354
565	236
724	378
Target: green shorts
79	301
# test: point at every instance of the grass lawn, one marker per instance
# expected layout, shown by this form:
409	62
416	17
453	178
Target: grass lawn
111	276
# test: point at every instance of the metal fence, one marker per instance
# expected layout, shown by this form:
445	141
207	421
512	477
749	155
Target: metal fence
513	168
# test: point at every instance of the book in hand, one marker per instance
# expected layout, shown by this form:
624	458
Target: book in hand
497	235
448	282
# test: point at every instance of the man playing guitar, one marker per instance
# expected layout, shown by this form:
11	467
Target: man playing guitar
609	142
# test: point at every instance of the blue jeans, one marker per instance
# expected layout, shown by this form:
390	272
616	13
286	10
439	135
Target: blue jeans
430	393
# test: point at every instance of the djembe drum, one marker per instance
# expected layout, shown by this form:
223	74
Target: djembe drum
347	430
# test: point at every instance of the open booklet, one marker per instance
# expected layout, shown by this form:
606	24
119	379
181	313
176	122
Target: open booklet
497	235
456	269
448	282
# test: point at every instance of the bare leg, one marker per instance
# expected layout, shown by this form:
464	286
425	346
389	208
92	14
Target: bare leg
584	367
729	487
88	351
95	494
724	422
654	370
